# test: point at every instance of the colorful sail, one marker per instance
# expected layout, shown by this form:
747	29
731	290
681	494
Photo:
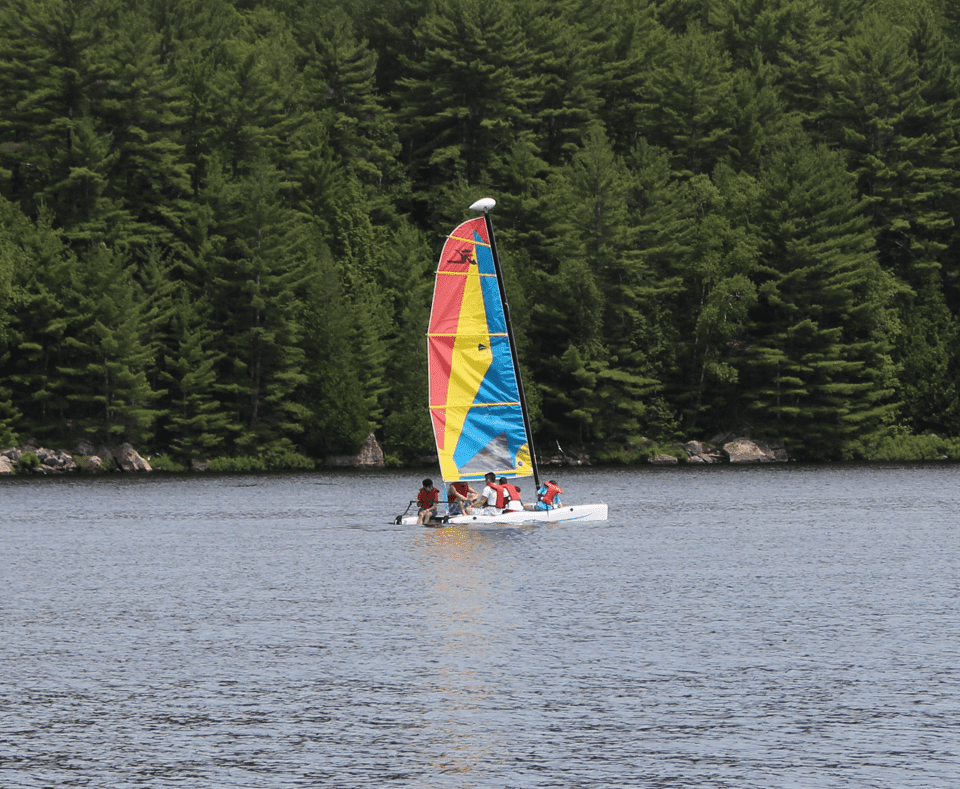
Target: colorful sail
474	393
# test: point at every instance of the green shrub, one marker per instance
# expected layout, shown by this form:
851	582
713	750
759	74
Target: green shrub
27	463
631	454
83	462
166	463
278	455
283	455
898	445
675	451
242	463
7	437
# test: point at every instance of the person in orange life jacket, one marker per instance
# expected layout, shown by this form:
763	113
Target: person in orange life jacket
460	497
427	500
491	496
548	497
512	496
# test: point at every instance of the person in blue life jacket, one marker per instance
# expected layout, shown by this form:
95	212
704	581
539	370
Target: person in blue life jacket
548	497
512	495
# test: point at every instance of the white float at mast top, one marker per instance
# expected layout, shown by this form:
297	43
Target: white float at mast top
483	204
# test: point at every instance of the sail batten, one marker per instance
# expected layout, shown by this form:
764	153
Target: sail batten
475	391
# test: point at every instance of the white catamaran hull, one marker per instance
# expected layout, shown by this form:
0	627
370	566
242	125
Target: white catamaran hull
579	512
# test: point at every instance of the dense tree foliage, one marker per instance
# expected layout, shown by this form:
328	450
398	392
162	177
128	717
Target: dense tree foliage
219	219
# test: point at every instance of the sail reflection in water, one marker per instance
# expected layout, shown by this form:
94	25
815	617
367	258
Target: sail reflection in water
472	643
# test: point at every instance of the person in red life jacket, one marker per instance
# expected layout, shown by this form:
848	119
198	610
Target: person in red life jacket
460	498
548	497
427	500
512	495
491	496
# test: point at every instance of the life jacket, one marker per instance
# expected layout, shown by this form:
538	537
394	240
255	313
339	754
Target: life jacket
513	493
461	488
500	491
552	492
426	500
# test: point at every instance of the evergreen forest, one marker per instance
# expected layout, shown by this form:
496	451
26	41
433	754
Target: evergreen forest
219	219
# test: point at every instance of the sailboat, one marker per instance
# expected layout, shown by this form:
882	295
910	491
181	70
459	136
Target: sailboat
476	397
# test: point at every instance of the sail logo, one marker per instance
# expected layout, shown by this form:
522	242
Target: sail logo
466	256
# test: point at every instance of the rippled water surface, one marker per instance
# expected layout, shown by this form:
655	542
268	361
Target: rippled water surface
776	626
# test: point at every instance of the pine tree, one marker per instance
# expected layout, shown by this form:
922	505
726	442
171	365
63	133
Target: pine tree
197	45
902	149
599	297
788	38
141	110
407	426
46	85
242	89
713	310
255	300
817	369
940	97
678	15
758	116
86	212
689	101
106	355
633	39
12	261
197	423
391	26
39	322
564	57
339	76
91	91
468	95
894	107
665	221
338	418
930	377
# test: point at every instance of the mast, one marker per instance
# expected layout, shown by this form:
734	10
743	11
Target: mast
485	204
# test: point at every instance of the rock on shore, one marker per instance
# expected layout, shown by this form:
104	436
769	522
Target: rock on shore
124	458
85	457
745	450
725	449
371	456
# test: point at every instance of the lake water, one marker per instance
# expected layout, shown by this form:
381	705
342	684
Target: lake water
774	626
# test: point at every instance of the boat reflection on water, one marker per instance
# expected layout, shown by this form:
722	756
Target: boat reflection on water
473	633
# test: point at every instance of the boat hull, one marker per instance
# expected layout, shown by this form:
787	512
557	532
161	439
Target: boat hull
578	512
